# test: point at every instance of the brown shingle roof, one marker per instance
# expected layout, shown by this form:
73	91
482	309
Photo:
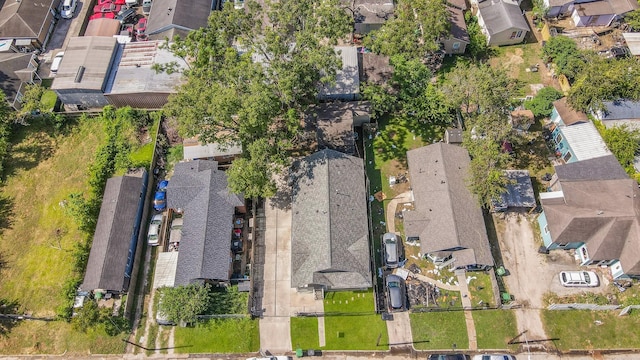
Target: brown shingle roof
566	112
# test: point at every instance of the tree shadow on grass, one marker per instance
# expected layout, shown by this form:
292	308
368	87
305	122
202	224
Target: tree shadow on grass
7	324
30	145
6	216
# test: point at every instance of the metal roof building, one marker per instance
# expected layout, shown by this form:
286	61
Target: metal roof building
347	86
584	141
633	42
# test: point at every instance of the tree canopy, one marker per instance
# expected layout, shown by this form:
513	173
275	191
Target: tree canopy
624	143
542	104
414	31
564	53
182	304
252	75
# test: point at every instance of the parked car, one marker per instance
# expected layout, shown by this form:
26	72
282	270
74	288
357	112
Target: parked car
153	235
477	267
117	2
141	26
160	200
55	64
162	185
579	279
105	8
270	358
493	357
396	293
391	245
126	15
448	357
68	8
175	232
104	15
146	7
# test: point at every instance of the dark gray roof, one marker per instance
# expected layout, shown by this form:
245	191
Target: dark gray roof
333	124
621	110
519	191
600	168
11	65
112	238
500	15
329	232
200	190
447	216
177	17
603	214
458	28
25	19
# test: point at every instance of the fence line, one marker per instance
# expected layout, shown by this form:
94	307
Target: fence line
223	316
576	306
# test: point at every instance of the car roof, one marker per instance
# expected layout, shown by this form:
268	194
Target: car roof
177	222
389	237
392	277
157	217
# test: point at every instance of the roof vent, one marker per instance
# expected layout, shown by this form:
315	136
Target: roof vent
600	212
79	74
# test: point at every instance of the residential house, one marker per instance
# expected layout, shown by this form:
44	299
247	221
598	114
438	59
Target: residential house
502	22
447	220
17	70
563	114
330	226
619	112
521	119
602	227
111	260
171	18
369	15
633	42
558	8
29	24
200	192
458	39
578	142
332	125
193	149
518	194
81	79
347	85
601	12
134	82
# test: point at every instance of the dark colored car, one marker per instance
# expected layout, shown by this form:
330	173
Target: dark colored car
160	200
448	357
126	15
396	293
391	245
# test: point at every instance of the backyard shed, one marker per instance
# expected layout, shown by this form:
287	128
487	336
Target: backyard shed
518	194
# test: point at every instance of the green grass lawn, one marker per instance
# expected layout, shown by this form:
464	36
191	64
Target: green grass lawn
578	329
219	336
439	330
38	235
481	289
495	328
304	333
48	100
351	322
516	59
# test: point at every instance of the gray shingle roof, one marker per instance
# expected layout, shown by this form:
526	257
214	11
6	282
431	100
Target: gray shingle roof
180	15
446	216
330	233
519	192
200	190
25	19
600	168
10	66
621	110
112	238
499	16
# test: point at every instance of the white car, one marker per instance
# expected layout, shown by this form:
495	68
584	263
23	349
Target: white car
493	357
579	279
55	64
68	8
175	233
270	358
153	235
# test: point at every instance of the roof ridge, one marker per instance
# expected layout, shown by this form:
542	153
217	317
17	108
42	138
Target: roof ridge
449	193
328	207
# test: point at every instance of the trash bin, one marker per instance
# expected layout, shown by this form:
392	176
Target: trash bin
506	297
299	353
501	271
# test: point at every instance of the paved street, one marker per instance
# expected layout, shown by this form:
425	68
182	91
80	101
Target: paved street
275	335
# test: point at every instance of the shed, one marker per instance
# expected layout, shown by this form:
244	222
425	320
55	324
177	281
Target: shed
453	136
347	86
135	83
369	15
502	22
194	150
633	42
518	194
111	259
102	27
458	39
84	70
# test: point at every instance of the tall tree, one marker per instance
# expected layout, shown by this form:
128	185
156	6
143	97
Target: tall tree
564	53
251	81
415	30
486	178
183	304
542	104
624	144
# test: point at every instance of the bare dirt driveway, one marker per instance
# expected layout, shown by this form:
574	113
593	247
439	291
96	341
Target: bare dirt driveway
532	275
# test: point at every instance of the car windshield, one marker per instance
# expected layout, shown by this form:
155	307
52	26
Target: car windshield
394	284
587	278
153	237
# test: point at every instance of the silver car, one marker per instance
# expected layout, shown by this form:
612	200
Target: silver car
391	245
396	293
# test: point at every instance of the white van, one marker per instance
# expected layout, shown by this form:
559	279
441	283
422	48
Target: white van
55	64
68	8
579	279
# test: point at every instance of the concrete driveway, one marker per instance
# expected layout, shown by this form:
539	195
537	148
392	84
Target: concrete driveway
532	275
399	330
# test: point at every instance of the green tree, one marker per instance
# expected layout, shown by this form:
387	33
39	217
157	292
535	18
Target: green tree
542	104
182	304
31	100
486	178
381	97
414	31
87	317
564	53
257	92
624	144
633	20
605	79
478	47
